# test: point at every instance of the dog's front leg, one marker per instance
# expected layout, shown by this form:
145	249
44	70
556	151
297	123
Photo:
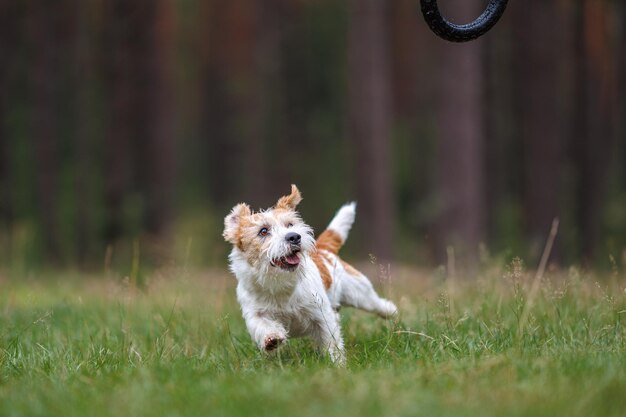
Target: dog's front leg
268	334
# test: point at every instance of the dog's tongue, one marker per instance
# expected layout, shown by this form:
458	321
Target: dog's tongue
293	259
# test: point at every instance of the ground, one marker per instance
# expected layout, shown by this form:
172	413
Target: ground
74	345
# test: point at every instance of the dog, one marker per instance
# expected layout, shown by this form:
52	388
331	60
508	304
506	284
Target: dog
290	284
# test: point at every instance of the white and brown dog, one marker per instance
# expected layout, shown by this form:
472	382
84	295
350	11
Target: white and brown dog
289	284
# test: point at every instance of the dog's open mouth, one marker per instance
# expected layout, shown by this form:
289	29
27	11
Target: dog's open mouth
288	262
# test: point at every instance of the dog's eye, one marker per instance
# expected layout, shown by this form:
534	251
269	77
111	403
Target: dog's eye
289	224
263	232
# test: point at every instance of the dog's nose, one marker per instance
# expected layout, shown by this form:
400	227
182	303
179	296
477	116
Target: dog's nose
293	238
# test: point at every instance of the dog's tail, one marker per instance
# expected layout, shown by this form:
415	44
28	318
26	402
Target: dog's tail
335	235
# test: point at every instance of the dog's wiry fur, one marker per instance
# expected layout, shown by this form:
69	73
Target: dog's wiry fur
291	285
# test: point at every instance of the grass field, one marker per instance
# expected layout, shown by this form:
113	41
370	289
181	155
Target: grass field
95	346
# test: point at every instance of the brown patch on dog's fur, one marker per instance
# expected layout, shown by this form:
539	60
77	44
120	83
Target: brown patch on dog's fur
248	240
346	266
289	202
233	222
350	269
241	229
330	241
317	258
328	258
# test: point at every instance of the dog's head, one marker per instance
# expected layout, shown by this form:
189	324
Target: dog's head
274	239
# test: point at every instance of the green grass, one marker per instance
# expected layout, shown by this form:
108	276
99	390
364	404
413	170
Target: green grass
94	346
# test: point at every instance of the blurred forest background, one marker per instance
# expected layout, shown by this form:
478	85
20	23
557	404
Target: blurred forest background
132	127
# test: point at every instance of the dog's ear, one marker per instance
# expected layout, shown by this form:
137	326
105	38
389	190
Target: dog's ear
233	221
290	201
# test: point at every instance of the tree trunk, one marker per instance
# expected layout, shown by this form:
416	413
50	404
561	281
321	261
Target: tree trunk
502	145
621	71
461	221
282	102
595	124
236	161
540	122
85	79
405	46
44	30
121	19
157	139
8	39
370	117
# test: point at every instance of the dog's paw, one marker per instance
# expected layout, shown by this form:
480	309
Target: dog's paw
272	341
